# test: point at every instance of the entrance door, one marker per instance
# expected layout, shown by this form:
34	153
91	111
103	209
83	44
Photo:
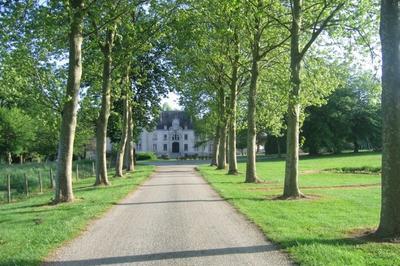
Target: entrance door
175	147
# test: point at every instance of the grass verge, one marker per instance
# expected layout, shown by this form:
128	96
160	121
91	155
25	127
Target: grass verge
326	228
30	229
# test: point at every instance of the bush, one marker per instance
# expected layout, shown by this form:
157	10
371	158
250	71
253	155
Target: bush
165	157
143	156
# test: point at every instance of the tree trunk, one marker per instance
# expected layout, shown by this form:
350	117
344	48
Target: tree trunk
227	143
356	146
214	158
291	186
389	226
251	174
232	145
9	159
278	142
222	146
63	191
232	112
102	121
120	156
130	160
221	162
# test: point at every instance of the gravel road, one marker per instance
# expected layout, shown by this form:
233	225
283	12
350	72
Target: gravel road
175	218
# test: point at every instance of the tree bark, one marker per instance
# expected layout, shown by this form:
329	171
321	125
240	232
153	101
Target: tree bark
291	186
102	121
389	226
130	162
63	191
251	173
214	158
125	128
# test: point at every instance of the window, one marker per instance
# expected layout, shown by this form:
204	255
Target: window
175	137
186	147
165	147
154	136
165	137
186	137
154	147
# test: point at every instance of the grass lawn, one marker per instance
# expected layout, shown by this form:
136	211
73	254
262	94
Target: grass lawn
324	229
30	229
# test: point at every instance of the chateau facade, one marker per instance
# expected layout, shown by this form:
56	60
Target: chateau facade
174	136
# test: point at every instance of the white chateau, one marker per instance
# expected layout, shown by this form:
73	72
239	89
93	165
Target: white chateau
174	137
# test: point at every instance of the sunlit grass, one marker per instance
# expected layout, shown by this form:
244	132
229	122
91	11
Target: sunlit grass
31	228
320	230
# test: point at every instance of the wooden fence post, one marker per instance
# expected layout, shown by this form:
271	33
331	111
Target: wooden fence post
77	172
40	182
8	188
26	185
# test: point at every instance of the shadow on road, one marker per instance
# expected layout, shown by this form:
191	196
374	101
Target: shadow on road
167	255
167	201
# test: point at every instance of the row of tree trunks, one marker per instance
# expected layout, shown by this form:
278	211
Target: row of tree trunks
63	191
125	126
102	121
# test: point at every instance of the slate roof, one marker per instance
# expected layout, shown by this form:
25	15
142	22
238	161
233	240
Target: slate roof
166	118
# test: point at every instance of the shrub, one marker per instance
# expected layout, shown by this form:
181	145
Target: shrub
165	157
143	156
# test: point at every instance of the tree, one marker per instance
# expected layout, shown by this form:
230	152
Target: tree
105	37
17	132
326	12
389	226
350	116
63	191
126	120
266	38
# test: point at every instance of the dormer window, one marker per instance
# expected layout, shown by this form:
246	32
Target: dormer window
175	123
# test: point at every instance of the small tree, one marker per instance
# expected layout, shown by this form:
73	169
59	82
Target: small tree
17	132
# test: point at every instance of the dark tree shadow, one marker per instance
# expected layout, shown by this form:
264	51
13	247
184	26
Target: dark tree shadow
168	255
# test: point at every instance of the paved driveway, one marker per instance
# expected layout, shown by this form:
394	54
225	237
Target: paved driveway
175	218
175	162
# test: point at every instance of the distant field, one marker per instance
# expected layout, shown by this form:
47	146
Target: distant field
31	228
325	228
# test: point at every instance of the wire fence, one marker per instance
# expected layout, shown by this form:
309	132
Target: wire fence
30	179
